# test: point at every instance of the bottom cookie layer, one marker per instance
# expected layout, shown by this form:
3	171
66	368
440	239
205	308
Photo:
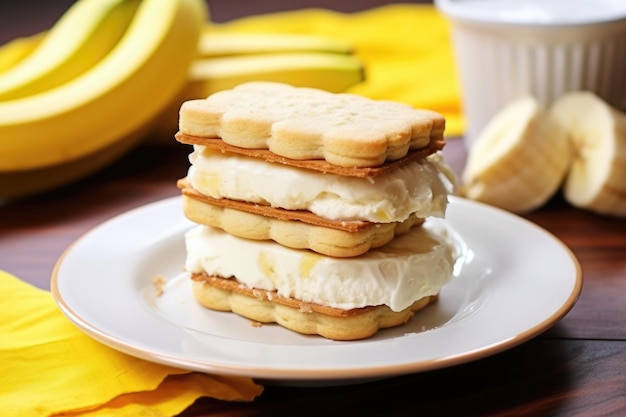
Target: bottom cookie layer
267	307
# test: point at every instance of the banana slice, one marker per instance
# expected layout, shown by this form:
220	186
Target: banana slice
519	160
597	177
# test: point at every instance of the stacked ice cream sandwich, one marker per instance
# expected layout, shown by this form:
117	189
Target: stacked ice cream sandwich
310	208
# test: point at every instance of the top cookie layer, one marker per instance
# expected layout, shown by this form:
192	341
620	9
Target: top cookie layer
305	123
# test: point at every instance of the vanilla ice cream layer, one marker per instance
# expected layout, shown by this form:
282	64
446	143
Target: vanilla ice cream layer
412	266
419	187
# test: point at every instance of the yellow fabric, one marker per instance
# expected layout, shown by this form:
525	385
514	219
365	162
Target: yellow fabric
48	367
406	49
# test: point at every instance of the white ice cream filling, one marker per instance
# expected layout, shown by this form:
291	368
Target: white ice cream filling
412	266
419	187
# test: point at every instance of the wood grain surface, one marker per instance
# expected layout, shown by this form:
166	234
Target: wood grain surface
576	368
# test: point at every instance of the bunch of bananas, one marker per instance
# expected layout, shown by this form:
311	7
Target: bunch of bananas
527	153
112	73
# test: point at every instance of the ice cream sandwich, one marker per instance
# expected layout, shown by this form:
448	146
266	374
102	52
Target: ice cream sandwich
310	208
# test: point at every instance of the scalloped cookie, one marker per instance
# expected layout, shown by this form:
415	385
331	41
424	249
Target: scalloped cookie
305	123
307	318
302	230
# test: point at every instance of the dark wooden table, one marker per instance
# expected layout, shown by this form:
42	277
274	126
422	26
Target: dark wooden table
576	368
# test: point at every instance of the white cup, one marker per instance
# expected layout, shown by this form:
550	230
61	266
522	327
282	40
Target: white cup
505	49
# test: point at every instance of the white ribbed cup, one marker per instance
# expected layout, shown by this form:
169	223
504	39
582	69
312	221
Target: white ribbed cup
502	55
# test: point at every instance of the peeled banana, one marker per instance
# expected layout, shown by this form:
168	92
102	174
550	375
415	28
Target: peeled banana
519	160
597	177
85	33
118	98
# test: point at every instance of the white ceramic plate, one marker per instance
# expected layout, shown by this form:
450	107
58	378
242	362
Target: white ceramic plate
513	281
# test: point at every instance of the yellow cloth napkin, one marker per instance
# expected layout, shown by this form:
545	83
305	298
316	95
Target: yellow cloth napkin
48	367
406	49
